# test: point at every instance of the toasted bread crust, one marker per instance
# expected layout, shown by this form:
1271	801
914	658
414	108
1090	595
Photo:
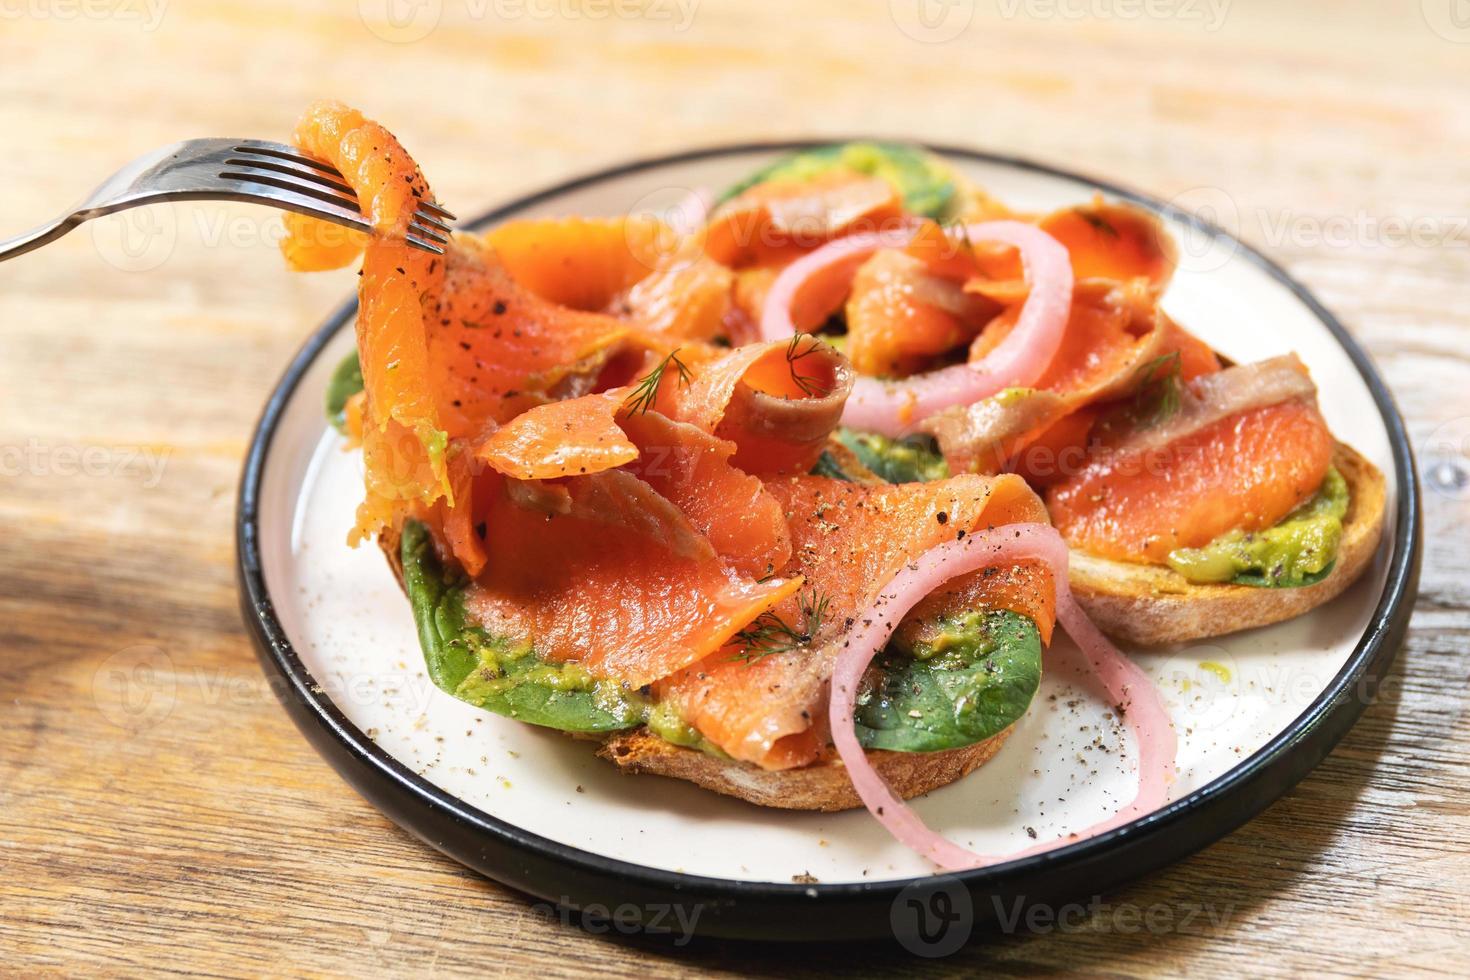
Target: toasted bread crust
823	786
1152	604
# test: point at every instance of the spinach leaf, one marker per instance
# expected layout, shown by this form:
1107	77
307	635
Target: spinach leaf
346	382
973	681
913	459
926	183
828	466
494	673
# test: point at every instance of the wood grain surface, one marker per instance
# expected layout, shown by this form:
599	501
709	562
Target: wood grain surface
159	813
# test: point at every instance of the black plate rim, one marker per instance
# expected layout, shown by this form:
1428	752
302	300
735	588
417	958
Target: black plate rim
1282	761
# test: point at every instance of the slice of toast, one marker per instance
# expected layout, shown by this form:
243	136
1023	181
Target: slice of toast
1153	604
822	786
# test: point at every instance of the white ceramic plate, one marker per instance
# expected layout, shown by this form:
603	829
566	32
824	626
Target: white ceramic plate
334	622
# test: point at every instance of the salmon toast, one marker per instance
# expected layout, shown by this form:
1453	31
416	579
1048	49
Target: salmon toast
792	507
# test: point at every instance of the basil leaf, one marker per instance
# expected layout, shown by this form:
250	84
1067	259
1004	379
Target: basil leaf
975	681
494	673
346	382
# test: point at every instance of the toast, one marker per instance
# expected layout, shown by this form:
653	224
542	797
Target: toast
822	786
1150	605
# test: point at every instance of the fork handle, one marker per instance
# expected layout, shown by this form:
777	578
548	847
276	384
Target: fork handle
36	237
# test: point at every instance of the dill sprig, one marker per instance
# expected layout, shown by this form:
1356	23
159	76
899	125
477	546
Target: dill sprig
768	633
643	397
1160	388
811	386
966	244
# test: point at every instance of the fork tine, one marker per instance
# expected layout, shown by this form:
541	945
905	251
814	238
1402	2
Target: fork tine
333	208
417	242
313	207
437	209
350	217
282	152
427	209
428	233
275	179
425	218
311	176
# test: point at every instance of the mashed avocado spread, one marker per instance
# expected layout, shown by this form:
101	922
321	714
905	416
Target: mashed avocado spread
1298	551
927	185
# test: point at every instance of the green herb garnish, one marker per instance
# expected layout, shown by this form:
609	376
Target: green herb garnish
811	386
643	397
1160	390
768	633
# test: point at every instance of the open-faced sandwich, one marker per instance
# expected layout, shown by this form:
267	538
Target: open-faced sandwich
788	505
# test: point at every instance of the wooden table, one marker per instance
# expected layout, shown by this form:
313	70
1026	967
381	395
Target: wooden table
157	809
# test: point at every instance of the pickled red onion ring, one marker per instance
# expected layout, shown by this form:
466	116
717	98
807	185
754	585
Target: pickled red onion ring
1126	686
892	408
839	259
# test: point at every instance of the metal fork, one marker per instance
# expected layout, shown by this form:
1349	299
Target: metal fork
232	170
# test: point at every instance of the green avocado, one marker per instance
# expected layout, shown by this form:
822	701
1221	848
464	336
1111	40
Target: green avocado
346	381
496	674
913	459
927	185
1299	551
969	677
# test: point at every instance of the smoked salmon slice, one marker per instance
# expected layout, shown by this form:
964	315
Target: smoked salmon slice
901	316
400	416
608	594
497	349
1244	472
777	402
574	437
683	464
582	263
695	471
1117	342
